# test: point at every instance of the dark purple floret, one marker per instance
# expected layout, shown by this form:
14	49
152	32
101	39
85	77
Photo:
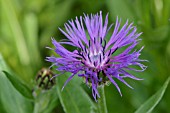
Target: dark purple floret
95	59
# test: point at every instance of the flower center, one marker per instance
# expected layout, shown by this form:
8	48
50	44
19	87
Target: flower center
95	57
96	60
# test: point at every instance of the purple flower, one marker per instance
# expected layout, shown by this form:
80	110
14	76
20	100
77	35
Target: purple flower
95	57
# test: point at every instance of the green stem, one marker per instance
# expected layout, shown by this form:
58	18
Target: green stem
102	100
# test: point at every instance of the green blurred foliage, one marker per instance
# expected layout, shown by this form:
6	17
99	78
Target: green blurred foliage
25	30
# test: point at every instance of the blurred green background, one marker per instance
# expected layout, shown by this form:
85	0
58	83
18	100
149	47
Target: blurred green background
26	28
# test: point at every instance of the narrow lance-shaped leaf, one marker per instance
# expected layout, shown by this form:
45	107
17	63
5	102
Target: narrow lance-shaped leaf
20	87
73	98
11	100
151	103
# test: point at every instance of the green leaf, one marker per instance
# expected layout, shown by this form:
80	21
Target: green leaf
20	87
73	98
11	101
150	104
2	64
2	110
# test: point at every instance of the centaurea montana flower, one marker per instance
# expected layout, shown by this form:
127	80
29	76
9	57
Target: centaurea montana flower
95	59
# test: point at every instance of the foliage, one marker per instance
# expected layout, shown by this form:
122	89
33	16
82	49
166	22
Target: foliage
26	28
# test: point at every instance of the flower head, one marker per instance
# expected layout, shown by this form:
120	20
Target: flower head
95	58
